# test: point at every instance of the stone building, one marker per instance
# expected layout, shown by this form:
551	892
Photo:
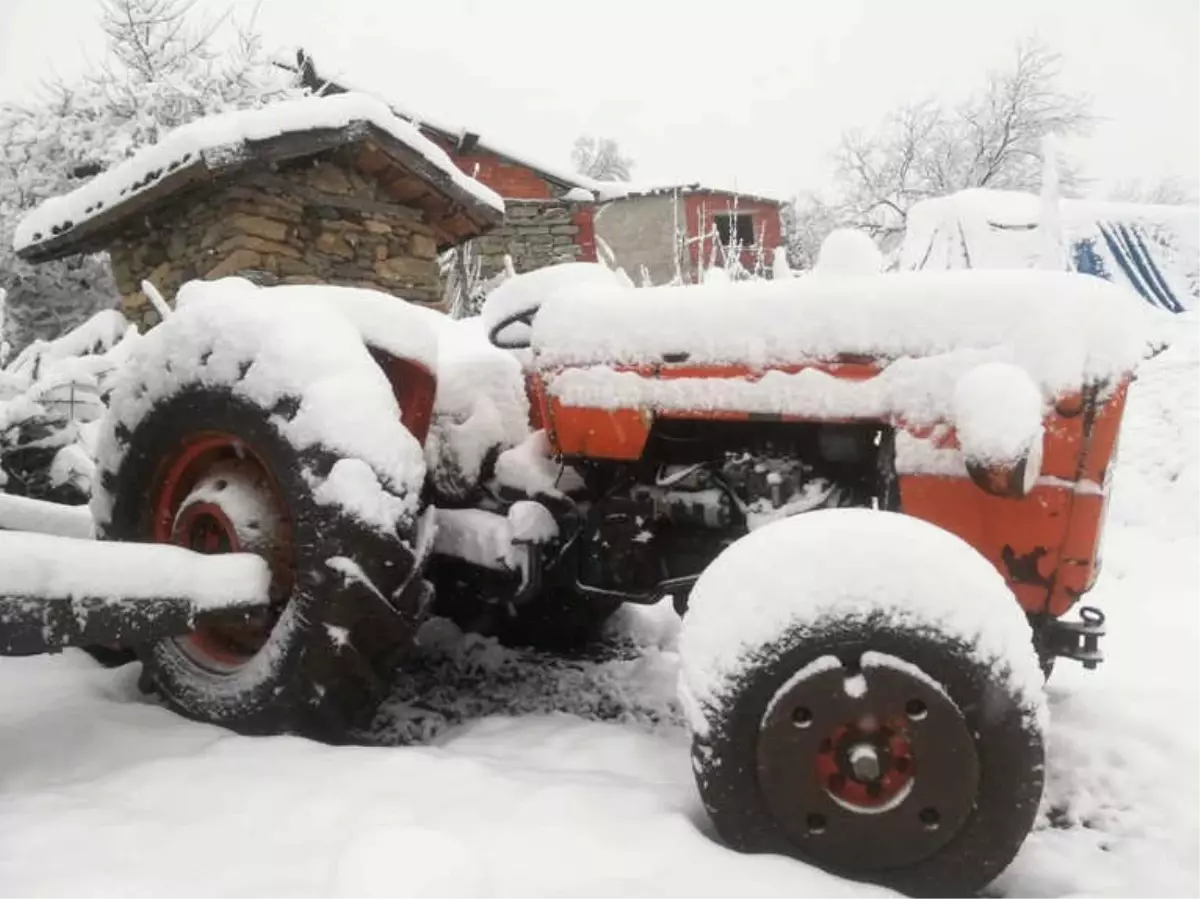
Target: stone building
331	190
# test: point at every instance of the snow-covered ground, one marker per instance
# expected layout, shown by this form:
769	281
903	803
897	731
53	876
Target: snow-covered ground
572	777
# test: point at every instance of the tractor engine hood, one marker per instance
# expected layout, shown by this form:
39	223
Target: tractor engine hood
1064	329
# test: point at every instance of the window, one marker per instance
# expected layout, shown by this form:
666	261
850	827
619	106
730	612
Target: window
735	227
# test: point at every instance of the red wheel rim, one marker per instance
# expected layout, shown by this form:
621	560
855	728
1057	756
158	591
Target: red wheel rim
222	642
866	766
892	751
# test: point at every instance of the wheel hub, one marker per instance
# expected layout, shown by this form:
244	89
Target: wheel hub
867	770
206	529
864	762
230	506
866	765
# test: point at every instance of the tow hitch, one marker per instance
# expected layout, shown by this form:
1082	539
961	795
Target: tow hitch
1078	640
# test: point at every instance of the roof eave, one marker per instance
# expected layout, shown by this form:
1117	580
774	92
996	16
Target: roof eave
96	233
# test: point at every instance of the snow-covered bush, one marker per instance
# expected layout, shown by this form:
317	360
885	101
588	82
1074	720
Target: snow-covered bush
847	251
52	395
163	70
466	287
737	261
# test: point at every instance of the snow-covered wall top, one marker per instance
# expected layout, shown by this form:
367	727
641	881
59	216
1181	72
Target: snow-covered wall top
220	140
1153	249
1065	329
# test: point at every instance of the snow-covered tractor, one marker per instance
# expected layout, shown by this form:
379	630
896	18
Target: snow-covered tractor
873	499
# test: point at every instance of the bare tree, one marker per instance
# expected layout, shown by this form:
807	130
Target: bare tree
1171	191
992	139
166	66
154	39
806	220
600	158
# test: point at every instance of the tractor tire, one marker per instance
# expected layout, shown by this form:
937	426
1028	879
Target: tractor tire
870	739
319	661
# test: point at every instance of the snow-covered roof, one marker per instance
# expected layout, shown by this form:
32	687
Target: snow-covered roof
619	190
217	145
465	140
344	79
1153	249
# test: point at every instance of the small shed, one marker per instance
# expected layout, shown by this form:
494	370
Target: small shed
334	190
677	231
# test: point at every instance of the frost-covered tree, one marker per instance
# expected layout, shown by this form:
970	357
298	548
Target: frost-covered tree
155	39
601	158
1170	191
993	138
165	65
806	220
47	148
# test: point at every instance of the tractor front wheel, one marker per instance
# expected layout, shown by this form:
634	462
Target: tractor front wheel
882	722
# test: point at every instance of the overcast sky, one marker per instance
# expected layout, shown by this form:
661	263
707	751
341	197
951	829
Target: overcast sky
747	92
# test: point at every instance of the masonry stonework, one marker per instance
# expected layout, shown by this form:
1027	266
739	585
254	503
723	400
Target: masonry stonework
316	222
537	233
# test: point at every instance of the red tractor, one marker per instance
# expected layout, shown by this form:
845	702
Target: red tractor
873	498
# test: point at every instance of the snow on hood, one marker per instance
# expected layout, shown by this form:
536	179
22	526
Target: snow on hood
1064	329
527	292
223	136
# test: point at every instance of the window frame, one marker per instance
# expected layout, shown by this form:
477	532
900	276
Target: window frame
732	219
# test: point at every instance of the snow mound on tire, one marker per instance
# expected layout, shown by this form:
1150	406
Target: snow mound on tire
797	574
276	354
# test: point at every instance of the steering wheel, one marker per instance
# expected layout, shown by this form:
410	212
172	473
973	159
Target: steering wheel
523	317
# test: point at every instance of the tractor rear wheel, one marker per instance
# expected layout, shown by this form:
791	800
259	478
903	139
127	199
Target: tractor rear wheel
893	739
210	470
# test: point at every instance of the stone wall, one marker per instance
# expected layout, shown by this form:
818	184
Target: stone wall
316	222
537	233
